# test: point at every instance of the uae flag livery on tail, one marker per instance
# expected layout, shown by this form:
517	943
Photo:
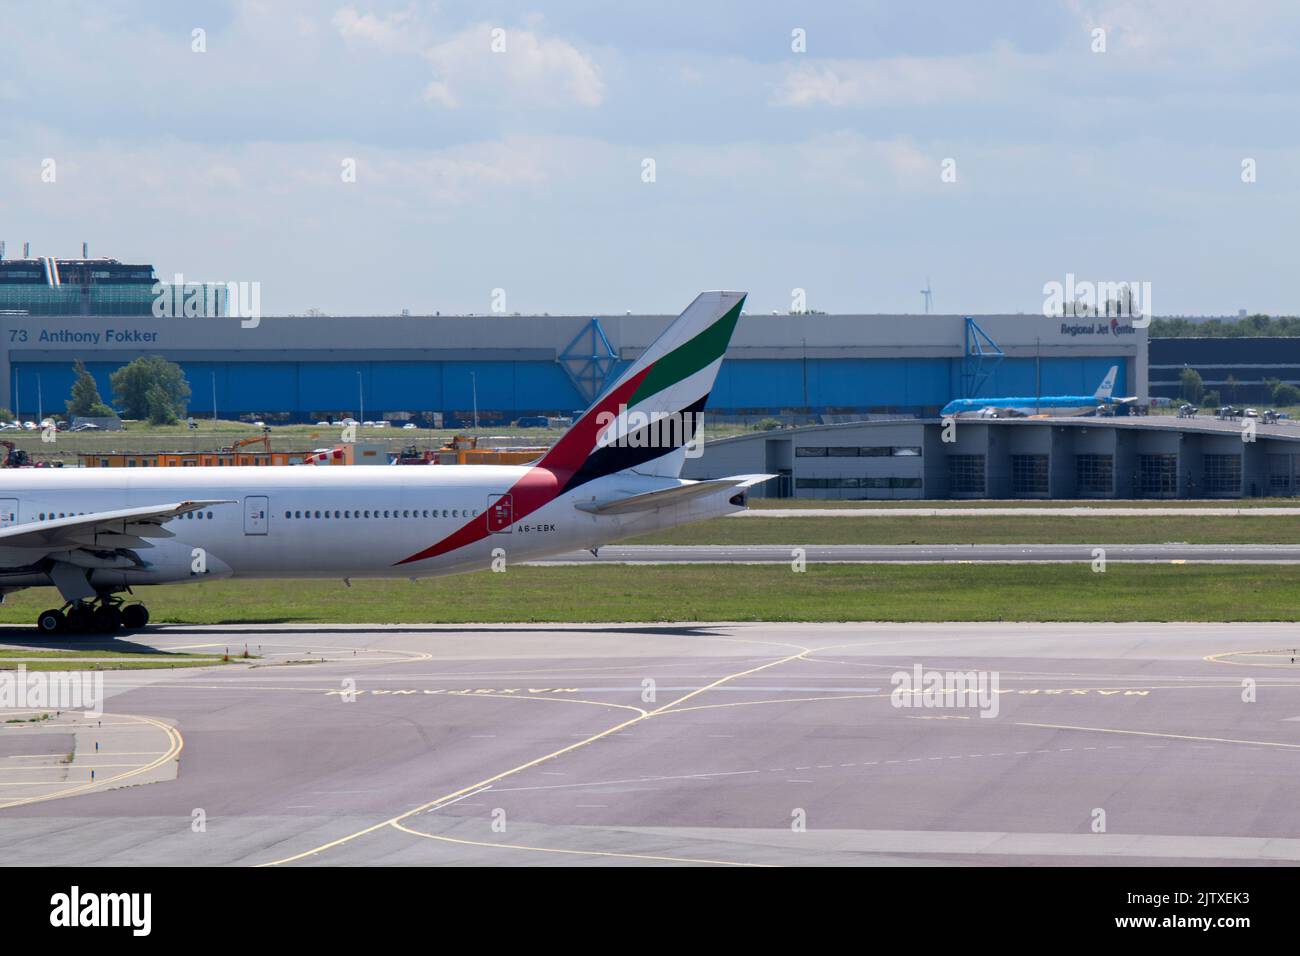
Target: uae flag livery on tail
645	420
643	423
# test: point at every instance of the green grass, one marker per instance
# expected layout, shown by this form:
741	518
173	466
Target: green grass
64	659
66	665
210	437
1210	529
143	438
954	592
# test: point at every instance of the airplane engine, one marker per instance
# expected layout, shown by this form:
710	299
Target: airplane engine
168	562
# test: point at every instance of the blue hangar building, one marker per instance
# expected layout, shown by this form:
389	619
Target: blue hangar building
303	368
54	311
308	367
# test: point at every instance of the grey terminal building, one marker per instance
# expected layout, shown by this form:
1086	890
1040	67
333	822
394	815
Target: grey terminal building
1084	457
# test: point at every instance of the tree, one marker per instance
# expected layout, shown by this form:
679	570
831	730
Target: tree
1193	389
85	400
1230	388
1252	325
161	409
1211	399
151	386
1285	394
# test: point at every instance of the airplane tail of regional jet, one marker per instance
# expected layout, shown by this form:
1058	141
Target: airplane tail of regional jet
1107	384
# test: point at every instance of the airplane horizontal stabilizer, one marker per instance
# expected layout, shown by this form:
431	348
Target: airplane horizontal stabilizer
650	500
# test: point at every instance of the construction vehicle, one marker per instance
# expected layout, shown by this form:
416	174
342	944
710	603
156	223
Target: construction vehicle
464	450
264	438
15	457
411	455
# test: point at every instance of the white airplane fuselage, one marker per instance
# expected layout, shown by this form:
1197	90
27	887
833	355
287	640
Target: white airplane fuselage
95	532
336	522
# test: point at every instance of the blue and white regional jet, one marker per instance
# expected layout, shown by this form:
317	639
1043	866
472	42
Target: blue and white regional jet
1020	406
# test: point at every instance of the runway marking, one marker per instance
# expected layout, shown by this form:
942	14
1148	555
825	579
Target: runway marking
1221	658
547	849
1019	675
1152	733
777	700
553	700
326	656
33	783
34	756
472	793
1103	692
644	715
176	745
66	766
476	695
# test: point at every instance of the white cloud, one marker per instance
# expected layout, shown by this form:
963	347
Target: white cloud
533	69
897	81
394	33
1173	31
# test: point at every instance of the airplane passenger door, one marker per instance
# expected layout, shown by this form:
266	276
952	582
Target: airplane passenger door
8	512
257	514
500	514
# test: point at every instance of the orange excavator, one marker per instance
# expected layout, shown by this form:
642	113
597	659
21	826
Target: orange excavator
264	438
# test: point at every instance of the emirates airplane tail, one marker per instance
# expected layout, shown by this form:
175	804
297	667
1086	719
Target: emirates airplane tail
97	533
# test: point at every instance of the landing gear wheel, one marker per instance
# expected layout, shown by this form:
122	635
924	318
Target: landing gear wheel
51	622
80	617
106	619
134	616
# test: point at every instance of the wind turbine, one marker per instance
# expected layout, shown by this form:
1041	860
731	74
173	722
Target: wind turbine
926	293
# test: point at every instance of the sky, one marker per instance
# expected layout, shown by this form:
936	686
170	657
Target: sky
595	158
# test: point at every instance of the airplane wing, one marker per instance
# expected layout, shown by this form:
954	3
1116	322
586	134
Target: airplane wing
123	528
650	500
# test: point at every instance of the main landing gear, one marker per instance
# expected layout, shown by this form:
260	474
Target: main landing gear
102	616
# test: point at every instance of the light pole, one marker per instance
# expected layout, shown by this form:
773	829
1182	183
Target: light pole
473	379
361	401
214	397
805	374
1038	373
